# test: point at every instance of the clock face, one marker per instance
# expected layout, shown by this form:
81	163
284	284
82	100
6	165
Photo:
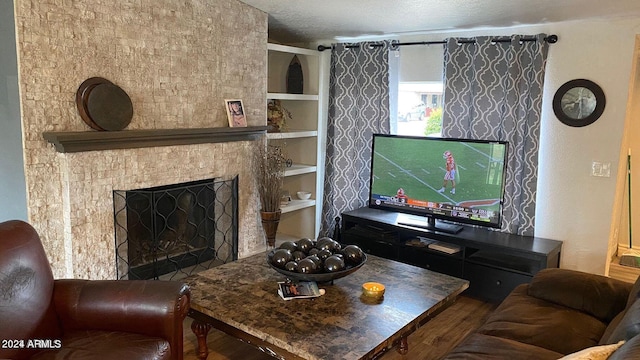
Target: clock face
578	103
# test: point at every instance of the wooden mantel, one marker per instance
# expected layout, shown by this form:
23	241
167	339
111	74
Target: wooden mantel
68	142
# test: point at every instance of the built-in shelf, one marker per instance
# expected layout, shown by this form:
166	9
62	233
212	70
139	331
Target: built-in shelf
285	96
299	169
68	142
297	205
292	134
303	138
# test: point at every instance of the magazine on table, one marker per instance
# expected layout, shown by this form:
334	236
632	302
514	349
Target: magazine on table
299	290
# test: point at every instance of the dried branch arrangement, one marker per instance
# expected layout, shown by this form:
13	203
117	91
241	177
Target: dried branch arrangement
270	168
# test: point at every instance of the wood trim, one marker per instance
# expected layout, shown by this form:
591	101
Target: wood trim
69	142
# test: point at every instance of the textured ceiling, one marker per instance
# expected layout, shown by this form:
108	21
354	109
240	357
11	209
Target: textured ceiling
293	21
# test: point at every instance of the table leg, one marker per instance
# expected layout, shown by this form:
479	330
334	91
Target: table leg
201	329
403	346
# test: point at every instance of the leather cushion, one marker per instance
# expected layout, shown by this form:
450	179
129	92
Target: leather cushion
596	295
26	288
628	327
630	350
634	293
613	325
108	345
485	347
533	321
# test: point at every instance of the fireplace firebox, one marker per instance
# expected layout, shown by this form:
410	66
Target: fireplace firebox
172	231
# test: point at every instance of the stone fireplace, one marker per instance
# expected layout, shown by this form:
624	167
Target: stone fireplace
82	207
178	61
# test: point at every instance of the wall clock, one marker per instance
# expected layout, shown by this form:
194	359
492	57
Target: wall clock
579	102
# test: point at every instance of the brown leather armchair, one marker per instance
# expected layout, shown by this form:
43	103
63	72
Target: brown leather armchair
43	318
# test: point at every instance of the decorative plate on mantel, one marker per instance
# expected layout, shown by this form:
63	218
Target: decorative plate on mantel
103	105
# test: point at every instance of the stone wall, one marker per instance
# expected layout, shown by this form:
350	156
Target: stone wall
178	61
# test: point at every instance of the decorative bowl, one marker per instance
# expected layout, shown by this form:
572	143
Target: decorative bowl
303	195
373	290
317	277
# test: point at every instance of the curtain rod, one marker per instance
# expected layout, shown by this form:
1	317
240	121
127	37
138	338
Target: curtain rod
551	39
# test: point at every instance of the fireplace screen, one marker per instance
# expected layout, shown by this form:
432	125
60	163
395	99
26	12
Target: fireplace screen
172	231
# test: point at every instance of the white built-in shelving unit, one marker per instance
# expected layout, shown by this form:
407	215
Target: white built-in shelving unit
303	139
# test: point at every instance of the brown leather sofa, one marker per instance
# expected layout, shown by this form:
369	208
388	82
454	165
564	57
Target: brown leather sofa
43	318
560	312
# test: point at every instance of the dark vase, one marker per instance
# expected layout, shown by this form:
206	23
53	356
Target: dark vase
270	221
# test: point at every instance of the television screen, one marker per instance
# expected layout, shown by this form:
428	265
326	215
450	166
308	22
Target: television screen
458	180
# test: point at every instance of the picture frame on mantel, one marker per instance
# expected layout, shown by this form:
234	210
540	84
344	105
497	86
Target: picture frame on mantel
235	113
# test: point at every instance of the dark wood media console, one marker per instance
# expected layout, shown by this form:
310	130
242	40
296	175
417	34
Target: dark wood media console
493	262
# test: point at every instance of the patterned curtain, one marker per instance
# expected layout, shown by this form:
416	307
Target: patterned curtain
493	91
358	108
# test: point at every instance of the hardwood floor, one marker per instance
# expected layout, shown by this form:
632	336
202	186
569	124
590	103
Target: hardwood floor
431	341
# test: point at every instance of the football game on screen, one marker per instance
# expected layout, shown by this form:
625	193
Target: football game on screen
415	172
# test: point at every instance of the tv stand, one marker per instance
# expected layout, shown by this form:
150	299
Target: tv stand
432	224
493	262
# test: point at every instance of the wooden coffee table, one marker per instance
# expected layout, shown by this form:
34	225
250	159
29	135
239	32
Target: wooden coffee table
240	299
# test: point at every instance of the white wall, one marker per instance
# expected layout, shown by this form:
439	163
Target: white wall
601	51
573	206
13	195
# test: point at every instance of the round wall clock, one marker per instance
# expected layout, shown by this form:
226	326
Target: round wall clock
579	102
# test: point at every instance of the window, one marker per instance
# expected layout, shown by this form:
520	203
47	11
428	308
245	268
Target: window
416	88
419	108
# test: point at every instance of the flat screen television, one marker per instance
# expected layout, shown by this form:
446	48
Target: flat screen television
455	180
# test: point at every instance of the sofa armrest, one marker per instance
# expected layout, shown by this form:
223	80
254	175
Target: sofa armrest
597	295
148	307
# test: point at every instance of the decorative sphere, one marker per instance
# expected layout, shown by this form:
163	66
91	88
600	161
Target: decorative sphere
334	263
289	245
327	243
324	254
305	244
281	257
336	246
298	255
353	254
323	242
307	266
291	266
315	259
313	251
